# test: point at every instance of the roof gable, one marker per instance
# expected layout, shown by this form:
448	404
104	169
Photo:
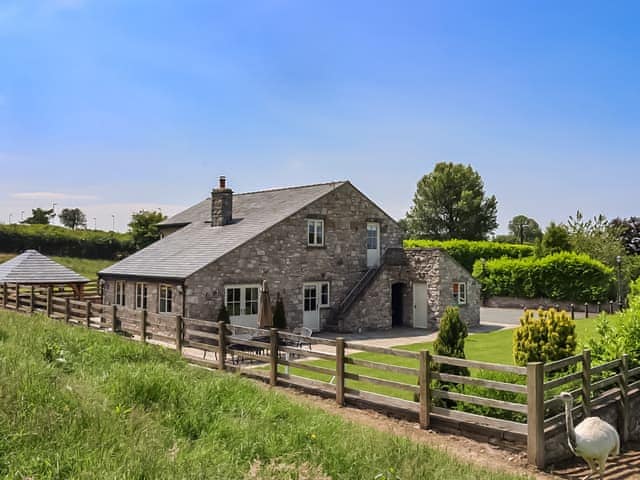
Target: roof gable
198	244
32	267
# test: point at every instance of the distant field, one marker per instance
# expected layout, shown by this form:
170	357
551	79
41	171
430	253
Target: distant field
77	403
87	267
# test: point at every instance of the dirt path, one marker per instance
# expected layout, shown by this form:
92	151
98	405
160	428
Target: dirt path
492	457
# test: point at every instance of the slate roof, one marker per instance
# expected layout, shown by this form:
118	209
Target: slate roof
32	267
184	252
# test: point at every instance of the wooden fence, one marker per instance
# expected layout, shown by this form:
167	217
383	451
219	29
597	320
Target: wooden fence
333	368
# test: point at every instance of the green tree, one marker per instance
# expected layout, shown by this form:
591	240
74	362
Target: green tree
596	237
450	340
525	229
144	227
548	337
73	218
40	216
555	240
450	203
628	230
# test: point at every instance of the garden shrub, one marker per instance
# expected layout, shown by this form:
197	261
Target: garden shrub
450	341
55	240
467	252
618	334
561	276
279	317
548	337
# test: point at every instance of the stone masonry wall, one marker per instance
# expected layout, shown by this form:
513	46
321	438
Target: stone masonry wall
281	256
440	271
108	295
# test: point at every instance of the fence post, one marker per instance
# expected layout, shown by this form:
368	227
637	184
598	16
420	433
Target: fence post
573	311
88	318
179	333
143	326
17	297
586	382
32	298
49	301
425	388
340	371
586	310
4	295
222	347
114	317
624	394
535	414
611	307
67	309
273	373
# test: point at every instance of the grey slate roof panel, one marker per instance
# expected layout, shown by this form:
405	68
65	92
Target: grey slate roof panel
198	244
31	267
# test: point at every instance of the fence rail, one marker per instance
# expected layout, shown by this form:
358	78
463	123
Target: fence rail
336	368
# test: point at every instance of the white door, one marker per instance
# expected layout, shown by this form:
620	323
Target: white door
242	304
311	306
419	305
373	244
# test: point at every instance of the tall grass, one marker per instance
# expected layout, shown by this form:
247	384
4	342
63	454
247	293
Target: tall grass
83	404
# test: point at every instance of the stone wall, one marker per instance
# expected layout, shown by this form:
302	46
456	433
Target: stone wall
440	271
108	294
281	256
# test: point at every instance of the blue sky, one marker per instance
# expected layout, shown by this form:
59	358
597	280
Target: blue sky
112	106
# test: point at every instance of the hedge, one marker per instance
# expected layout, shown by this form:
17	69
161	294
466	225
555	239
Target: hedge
467	252
561	276
55	240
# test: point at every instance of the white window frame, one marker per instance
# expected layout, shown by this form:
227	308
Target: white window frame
461	296
167	299
242	300
319	286
141	300
119	297
315	223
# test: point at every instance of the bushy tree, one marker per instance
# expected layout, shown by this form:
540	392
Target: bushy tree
449	203
144	227
40	216
628	231
73	218
279	317
524	229
450	340
549	336
555	240
596	237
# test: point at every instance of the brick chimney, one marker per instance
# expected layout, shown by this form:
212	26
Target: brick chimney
221	204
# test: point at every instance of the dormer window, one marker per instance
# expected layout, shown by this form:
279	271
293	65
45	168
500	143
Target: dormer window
315	232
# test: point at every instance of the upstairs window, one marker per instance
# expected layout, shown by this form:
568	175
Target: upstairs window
119	294
460	293
315	233
141	296
166	299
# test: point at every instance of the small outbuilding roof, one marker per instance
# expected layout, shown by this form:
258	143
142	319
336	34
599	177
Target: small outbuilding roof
31	267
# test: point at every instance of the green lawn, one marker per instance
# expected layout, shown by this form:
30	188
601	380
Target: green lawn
84	266
76	403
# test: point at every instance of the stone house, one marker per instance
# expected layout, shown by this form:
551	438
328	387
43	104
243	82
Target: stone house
333	255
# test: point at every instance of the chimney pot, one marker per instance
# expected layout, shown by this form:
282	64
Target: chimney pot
223	182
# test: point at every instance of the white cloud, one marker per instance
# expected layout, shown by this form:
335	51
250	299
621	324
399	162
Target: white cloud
51	196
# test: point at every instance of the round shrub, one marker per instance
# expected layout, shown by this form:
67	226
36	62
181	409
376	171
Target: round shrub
549	336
